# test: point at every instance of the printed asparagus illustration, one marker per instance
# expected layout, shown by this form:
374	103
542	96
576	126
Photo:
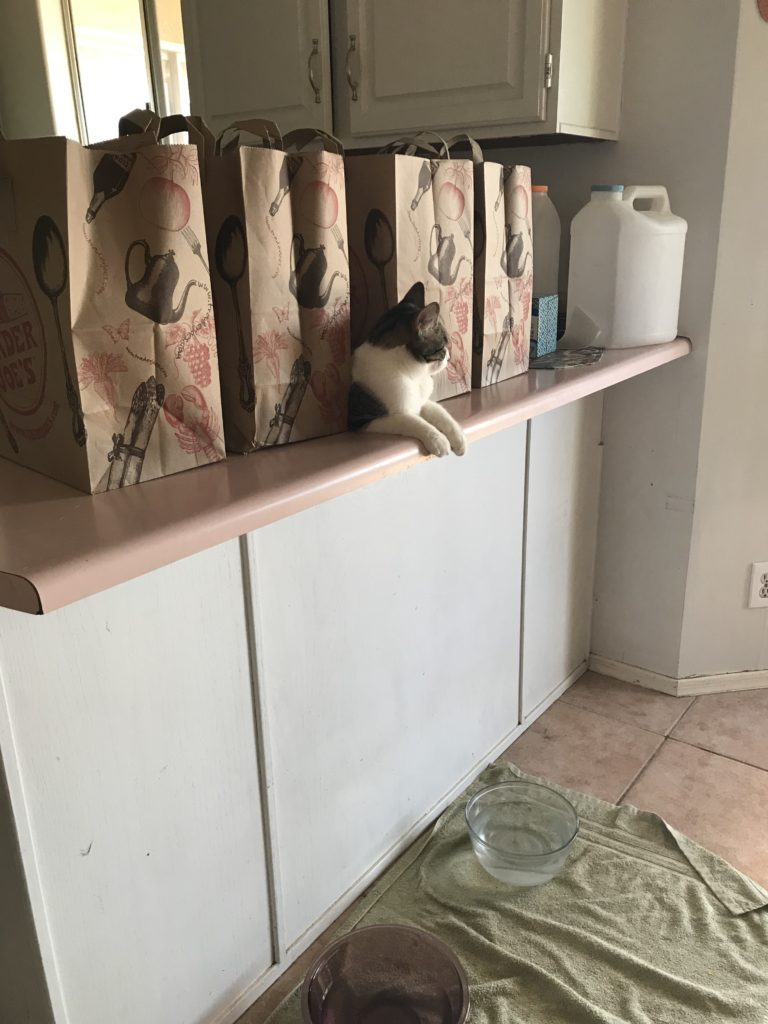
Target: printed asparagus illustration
281	424
126	459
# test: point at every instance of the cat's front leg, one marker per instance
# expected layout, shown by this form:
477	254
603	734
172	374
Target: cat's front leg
446	424
406	425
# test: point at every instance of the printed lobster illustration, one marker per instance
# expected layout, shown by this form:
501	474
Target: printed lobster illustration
195	425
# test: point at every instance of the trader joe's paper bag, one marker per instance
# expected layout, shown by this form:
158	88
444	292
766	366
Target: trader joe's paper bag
278	224
503	272
411	219
108	370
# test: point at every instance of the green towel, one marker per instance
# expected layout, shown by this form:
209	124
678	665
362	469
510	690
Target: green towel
642	926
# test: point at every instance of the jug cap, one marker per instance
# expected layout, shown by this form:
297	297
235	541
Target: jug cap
539	188
607	188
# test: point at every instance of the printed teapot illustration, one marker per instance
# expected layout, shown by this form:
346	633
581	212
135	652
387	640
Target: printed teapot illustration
513	253
309	270
443	264
151	294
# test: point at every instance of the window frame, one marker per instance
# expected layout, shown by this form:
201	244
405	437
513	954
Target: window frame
152	56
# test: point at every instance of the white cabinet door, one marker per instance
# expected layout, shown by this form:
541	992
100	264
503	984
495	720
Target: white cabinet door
259	58
128	721
403	65
389	662
561	531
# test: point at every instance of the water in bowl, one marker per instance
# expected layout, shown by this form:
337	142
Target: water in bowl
521	833
520	875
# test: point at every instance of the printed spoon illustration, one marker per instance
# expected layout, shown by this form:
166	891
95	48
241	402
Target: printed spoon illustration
231	258
7	429
49	259
379	243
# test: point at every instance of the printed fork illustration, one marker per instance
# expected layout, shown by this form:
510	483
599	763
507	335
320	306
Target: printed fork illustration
194	243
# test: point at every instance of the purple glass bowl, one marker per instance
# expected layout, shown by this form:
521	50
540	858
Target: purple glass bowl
386	974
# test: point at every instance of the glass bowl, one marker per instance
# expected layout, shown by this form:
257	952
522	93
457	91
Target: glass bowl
521	832
386	974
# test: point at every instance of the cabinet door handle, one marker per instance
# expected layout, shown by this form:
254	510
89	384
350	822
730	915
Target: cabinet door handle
310	72
352	84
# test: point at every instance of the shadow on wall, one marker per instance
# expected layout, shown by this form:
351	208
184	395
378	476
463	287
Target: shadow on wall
23	991
678	80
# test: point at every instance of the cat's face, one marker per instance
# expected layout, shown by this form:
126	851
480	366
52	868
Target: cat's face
429	342
416	327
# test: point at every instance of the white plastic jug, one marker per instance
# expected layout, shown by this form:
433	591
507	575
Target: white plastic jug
546	242
626	269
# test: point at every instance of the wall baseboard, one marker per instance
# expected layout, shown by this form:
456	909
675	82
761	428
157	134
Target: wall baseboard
690	686
550	699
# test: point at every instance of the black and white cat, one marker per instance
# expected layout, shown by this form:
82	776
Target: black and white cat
392	377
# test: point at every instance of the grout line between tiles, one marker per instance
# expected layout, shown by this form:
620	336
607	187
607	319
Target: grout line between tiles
719	753
681	716
662	741
610	718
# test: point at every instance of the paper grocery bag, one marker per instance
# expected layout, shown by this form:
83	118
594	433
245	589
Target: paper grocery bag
108	369
411	219
278	226
503	268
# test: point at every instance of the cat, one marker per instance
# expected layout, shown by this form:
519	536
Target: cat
392	377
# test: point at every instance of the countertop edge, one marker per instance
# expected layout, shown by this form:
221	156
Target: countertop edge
19	593
47	588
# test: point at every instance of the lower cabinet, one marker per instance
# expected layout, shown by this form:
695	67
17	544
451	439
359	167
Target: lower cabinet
127	736
389	629
564	459
205	764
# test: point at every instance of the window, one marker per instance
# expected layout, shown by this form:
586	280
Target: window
171	39
128	54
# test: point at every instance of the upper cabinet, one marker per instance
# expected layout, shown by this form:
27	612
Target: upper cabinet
259	58
497	68
438	64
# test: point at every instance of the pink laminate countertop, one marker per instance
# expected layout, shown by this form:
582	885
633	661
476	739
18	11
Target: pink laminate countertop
58	545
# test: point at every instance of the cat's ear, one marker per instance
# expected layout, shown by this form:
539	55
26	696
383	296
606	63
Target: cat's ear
414	296
428	317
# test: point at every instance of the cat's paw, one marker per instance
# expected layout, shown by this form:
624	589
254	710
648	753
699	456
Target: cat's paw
436	443
458	442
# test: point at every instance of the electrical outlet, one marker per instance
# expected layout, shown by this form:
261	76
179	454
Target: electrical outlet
758	587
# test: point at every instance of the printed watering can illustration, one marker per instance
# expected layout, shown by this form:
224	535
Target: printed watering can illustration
151	294
442	264
309	270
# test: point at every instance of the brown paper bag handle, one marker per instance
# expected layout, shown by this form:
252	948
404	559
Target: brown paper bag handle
265	131
461	138
198	131
427	133
197	122
126	143
200	135
138	122
301	138
410	146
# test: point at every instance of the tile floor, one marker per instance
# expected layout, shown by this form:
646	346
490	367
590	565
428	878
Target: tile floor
699	762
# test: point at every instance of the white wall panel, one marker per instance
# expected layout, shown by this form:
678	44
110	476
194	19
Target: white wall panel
561	534
389	642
